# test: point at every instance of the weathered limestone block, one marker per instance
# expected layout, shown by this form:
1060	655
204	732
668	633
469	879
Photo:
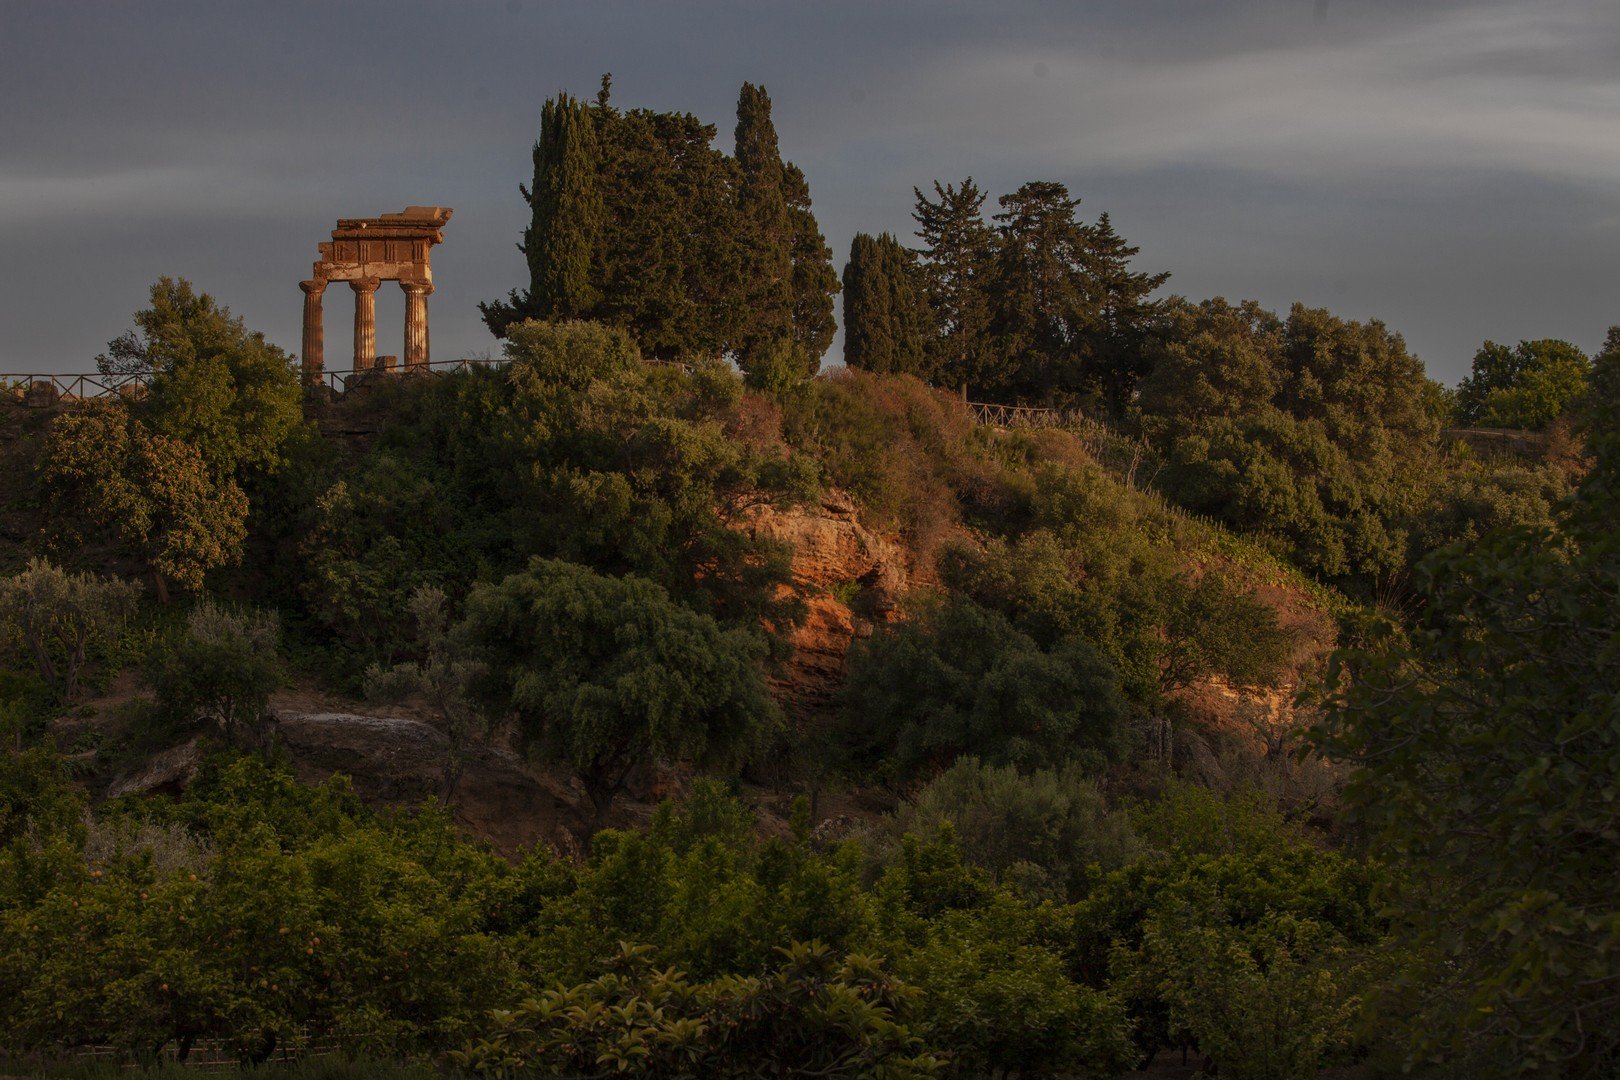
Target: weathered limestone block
41	395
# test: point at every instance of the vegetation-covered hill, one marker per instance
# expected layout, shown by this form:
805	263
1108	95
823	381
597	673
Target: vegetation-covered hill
820	727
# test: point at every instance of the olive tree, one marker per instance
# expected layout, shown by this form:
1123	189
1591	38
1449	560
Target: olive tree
57	616
609	674
443	672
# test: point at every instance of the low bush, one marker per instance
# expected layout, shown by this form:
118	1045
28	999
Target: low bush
220	670
959	679
815	1014
1049	831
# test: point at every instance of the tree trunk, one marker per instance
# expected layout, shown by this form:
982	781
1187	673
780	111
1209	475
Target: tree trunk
601	795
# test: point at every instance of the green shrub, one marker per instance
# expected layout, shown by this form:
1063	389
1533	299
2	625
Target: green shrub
999	999
611	675
911	456
1276	1000
220	670
959	679
57	618
1266	913
706	892
814	1014
251	908
1048	831
36	794
574	450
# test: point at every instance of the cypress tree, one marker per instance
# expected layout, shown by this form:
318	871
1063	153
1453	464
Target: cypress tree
669	247
638	220
566	227
958	249
766	231
565	222
886	319
815	282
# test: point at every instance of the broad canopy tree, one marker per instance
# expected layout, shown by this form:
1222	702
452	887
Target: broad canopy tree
610	675
1526	386
166	472
215	385
156	494
1317	430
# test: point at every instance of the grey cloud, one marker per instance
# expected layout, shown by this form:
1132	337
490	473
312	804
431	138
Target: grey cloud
1450	166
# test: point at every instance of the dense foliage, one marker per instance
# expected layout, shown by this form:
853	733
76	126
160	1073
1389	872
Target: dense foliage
610	675
887	325
813	1015
575	450
960	679
1526	386
260	911
637	221
1039	307
165	473
1035	796
1488	734
56	618
1318	431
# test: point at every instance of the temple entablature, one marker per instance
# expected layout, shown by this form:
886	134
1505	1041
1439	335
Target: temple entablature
364	252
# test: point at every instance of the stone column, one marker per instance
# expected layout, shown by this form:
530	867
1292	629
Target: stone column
365	322
314	332
416	324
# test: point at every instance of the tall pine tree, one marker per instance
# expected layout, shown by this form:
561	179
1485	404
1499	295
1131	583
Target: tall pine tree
1117	353
887	323
955	263
1043	306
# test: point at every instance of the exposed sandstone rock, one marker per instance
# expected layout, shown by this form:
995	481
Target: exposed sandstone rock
831	547
836	561
821	644
171	770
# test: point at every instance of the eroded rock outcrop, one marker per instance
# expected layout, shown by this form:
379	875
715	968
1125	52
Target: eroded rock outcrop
848	578
398	759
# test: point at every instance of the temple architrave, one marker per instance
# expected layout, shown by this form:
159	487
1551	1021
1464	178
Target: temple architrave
365	252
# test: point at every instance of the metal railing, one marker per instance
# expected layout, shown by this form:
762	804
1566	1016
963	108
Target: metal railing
342	379
69	387
72	389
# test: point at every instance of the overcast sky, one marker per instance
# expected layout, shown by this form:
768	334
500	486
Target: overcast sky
1450	168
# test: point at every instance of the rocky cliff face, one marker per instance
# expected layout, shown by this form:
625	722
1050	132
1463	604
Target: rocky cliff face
848	578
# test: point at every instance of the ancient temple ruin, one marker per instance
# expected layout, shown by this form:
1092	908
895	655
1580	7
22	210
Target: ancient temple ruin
365	252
